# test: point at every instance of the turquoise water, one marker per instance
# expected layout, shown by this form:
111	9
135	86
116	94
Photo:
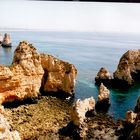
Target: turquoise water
88	52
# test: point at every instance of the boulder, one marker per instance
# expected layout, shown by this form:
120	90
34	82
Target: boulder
137	108
5	129
1	38
6	40
80	108
103	76
60	76
131	117
23	78
128	70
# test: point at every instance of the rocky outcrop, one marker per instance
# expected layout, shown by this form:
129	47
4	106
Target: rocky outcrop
1	38
103	102
131	117
128	69
80	108
137	107
103	76
31	71
6	40
23	78
5	128
59	76
103	94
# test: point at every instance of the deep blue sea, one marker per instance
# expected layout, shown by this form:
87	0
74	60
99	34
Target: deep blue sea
88	52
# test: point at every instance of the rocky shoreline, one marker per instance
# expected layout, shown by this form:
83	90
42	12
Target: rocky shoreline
32	89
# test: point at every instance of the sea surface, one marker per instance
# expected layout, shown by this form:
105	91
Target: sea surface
88	52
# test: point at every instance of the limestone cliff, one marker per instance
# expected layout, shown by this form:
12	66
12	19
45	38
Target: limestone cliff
128	68
59	76
31	71
23	78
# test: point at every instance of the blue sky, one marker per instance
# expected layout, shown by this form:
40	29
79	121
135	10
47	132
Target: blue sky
70	16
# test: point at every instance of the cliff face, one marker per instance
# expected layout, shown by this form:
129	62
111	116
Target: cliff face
59	76
31	71
129	67
23	78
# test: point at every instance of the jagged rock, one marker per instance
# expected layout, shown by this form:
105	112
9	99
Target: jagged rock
31	71
23	78
6	40
59	76
131	116
103	102
5	128
80	108
1	38
128	69
103	94
137	108
103	76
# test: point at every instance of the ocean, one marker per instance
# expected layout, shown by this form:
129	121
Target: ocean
89	52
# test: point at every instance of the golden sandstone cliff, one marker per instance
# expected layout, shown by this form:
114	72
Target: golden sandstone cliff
31	70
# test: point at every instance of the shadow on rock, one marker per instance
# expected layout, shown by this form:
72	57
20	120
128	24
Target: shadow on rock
102	106
17	103
71	130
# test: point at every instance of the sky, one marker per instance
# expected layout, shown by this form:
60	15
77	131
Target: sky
70	16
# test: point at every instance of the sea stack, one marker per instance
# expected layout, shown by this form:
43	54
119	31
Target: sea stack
128	70
6	41
103	98
1	39
103	76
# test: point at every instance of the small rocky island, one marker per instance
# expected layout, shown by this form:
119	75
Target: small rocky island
127	73
6	40
36	91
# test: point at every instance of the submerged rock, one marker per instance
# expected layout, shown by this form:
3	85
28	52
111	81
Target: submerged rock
103	76
1	39
60	76
6	41
128	69
80	108
23	78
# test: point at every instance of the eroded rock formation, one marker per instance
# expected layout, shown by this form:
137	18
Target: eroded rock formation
103	76
103	94
131	116
59	76
128	69
31	71
23	78
80	108
6	40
